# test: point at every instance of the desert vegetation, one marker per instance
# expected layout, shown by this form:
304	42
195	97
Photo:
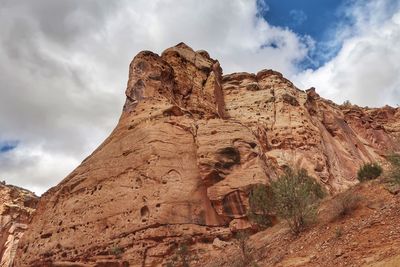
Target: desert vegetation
338	232
394	170
369	171
246	257
293	197
347	103
261	205
116	251
296	196
344	204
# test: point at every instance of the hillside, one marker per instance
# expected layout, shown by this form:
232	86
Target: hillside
368	236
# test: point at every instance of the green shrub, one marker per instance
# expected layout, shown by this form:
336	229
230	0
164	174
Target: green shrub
339	232
347	103
296	197
261	205
394	172
116	251
369	171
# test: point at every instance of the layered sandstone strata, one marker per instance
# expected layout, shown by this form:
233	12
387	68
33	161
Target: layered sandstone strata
188	148
16	208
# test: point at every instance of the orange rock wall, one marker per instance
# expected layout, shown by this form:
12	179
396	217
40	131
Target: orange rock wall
16	208
189	146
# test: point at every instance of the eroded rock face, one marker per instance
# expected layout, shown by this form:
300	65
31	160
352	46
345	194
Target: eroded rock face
302	129
188	148
16	208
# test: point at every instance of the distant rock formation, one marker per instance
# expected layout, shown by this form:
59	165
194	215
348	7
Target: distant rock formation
189	146
16	208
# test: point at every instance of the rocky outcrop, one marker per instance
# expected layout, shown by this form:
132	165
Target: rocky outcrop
188	148
16	208
302	129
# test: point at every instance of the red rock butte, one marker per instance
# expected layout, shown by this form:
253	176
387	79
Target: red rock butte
189	146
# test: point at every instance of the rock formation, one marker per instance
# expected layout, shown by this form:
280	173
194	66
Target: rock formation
16	208
188	148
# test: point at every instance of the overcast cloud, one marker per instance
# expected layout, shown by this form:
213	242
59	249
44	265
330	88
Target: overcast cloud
64	66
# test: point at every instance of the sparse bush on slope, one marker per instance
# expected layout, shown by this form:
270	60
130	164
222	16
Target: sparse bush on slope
345	203
347	103
116	251
246	257
296	196
261	205
394	172
369	171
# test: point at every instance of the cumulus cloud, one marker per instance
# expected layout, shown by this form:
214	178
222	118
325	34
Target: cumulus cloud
367	66
64	66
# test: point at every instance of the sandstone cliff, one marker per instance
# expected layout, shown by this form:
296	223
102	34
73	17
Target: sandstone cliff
16	208
190	144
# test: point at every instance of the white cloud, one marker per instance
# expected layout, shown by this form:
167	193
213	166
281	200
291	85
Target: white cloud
30	166
366	69
64	64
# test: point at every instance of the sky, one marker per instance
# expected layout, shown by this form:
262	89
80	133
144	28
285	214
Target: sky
64	64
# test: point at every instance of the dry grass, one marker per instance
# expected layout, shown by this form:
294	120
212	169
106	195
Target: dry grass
344	204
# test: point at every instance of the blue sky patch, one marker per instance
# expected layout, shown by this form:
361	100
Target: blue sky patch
6	146
315	18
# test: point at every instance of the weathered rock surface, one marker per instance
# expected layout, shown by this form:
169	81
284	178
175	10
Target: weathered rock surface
189	146
16	208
